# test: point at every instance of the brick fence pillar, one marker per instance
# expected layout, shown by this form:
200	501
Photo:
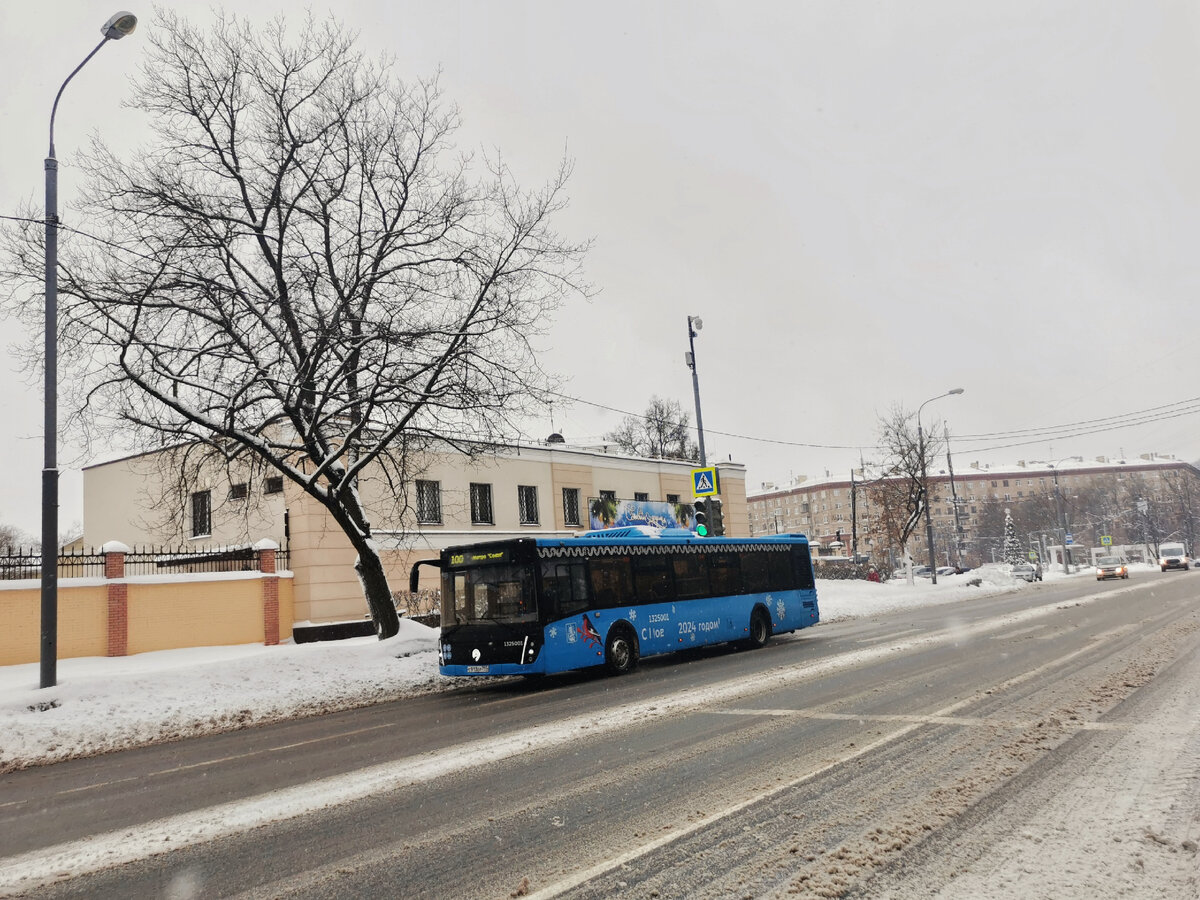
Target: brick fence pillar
270	590
118	598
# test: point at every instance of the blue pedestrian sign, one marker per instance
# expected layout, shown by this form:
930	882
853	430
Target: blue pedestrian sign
705	482
1070	539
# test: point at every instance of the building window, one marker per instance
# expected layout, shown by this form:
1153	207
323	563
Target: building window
273	485
429	502
239	491
527	502
481	504
608	495
672	498
570	506
641	496
201	514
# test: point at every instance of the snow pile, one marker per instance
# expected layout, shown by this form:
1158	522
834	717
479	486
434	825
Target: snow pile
102	704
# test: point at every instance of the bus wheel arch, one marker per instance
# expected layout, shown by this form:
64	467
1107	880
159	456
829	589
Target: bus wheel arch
621	649
760	627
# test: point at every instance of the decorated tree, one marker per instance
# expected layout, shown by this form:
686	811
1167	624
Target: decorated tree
1013	552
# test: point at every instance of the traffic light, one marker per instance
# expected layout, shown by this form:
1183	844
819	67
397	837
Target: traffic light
700	505
716	520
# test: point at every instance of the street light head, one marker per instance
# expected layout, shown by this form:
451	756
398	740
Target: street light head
957	391
695	322
119	25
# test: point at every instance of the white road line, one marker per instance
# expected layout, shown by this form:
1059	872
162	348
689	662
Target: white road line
38	868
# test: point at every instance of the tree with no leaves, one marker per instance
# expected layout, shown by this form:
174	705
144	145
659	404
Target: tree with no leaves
898	498
661	432
300	274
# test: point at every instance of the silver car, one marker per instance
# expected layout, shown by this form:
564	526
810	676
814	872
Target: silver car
1111	567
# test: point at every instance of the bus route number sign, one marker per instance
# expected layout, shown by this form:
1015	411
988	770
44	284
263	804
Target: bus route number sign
705	482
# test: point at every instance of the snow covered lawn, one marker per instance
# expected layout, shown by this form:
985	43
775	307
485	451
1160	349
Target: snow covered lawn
102	704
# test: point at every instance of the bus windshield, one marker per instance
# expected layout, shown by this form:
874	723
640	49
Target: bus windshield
502	594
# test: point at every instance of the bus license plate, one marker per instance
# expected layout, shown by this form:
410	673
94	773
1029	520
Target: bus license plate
477	670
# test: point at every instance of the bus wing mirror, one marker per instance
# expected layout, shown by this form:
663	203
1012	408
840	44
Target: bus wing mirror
414	575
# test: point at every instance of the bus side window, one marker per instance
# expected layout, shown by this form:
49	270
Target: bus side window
754	572
652	581
611	585
802	564
691	576
725	573
565	588
779	569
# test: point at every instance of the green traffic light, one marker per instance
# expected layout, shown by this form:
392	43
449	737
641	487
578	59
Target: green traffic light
702	530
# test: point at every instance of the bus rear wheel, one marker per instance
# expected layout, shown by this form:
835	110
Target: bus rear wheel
621	650
760	628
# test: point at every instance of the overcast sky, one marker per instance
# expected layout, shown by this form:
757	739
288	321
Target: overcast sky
867	203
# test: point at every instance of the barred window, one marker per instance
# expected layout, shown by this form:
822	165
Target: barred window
571	506
429	502
239	491
481	504
201	513
273	485
527	500
641	496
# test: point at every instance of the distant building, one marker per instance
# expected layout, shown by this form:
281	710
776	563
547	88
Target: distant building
1099	498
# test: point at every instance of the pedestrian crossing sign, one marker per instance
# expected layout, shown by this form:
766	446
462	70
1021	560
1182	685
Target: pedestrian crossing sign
705	482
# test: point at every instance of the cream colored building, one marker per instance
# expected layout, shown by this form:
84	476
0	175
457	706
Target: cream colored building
531	490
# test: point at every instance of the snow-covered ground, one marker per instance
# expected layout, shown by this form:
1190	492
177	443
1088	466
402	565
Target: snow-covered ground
102	704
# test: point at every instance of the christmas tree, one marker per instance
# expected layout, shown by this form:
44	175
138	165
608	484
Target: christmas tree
1013	553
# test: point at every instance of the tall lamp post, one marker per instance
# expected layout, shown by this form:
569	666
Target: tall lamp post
925	481
1062	519
694	325
114	29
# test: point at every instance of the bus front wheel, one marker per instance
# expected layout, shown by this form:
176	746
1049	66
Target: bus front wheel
760	628
621	650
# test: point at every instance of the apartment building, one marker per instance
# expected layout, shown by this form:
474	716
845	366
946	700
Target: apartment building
1144	498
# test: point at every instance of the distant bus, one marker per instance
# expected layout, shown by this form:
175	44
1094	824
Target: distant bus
536	606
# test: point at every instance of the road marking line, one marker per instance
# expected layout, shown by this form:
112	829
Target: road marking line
45	866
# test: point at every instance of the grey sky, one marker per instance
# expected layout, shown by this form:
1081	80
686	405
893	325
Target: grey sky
867	203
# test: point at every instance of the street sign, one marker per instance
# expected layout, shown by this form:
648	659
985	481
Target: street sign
1106	540
1032	556
705	482
1070	539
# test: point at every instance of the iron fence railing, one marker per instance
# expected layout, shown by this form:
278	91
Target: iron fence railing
80	562
26	562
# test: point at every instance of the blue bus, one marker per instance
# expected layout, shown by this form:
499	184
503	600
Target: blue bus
536	606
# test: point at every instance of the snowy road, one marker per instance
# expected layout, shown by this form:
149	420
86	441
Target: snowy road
1041	743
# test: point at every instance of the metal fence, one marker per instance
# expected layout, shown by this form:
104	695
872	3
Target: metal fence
26	562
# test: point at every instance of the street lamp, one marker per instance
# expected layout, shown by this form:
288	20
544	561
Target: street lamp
694	325
925	482
1062	519
114	29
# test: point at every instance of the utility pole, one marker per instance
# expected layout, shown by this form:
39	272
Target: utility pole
694	325
958	530
853	518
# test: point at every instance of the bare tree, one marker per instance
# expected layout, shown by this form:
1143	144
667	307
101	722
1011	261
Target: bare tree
300	271
898	498
662	432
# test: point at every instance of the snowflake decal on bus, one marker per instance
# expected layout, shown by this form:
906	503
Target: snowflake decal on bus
633	615
553	631
780	609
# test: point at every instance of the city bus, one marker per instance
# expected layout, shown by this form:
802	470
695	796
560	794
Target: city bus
537	606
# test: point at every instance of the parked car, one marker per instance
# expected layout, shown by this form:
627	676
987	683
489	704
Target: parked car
1027	571
1111	567
947	570
921	571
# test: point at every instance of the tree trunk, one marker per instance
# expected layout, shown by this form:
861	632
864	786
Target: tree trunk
375	586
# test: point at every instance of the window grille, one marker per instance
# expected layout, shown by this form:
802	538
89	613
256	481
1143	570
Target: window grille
481	504
527	502
201	513
571	506
429	502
